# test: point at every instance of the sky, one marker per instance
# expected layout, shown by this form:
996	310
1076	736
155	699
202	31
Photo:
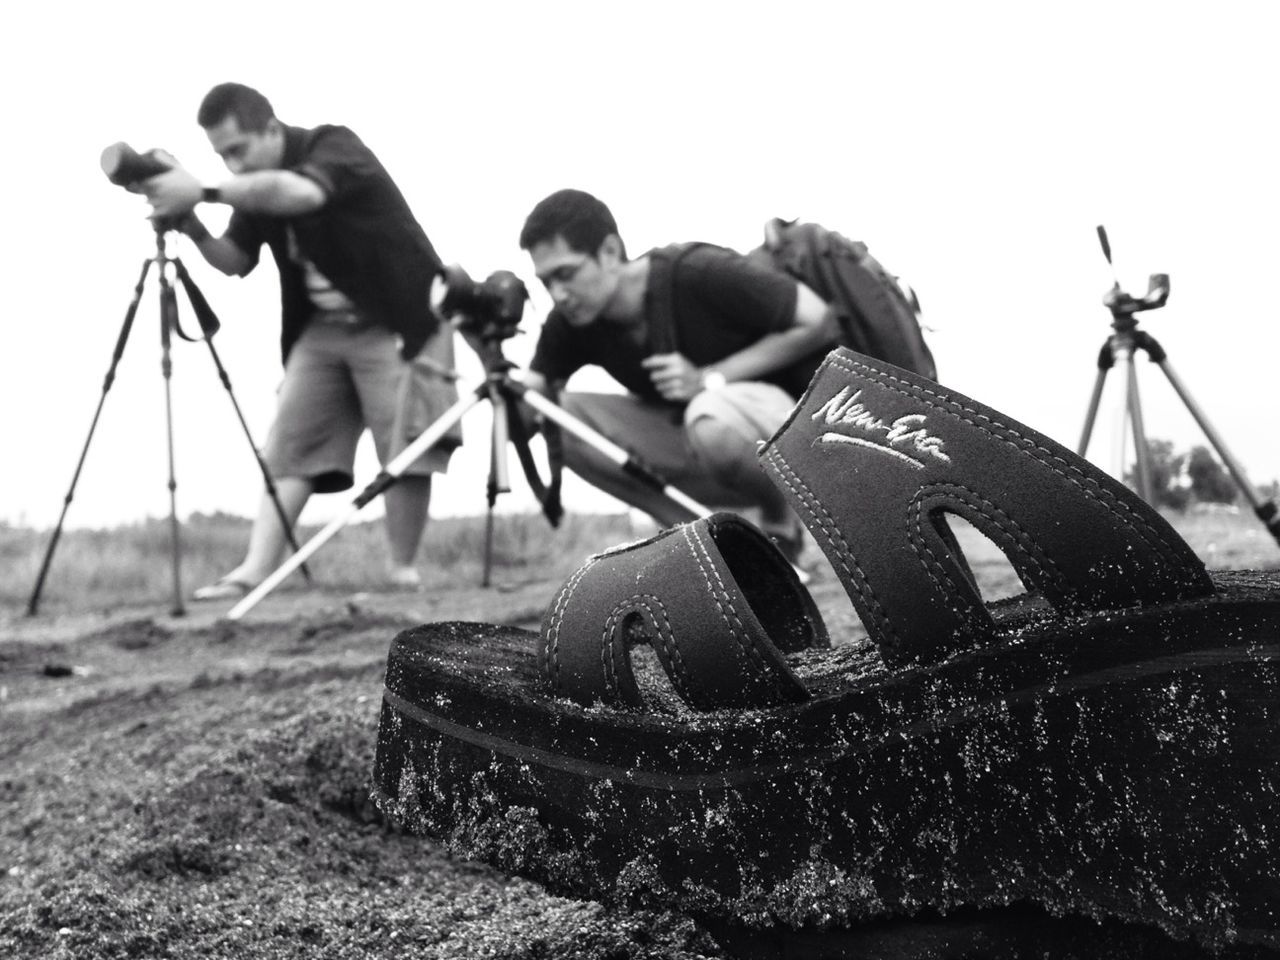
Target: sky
974	147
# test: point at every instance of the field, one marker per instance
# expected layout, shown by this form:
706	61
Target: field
189	787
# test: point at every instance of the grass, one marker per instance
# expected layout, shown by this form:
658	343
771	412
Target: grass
128	565
131	564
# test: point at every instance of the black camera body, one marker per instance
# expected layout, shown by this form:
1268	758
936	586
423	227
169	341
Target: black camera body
125	166
490	309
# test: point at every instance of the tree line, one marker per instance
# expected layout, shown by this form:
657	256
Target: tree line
1182	478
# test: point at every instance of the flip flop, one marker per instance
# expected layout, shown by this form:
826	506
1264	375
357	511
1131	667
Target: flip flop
680	734
223	589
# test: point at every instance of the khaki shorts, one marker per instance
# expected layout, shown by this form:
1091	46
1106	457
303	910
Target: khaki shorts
341	379
656	435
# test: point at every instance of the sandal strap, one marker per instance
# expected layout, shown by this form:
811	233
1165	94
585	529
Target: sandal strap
717	602
873	457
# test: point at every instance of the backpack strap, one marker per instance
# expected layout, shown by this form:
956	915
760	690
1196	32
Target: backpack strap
662	296
547	493
663	263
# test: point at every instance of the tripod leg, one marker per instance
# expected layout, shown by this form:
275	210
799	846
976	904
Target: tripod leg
607	447
33	604
168	319
499	476
1104	365
1265	510
1141	453
429	438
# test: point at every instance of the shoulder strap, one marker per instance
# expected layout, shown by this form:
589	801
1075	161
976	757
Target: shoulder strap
209	323
663	262
547	493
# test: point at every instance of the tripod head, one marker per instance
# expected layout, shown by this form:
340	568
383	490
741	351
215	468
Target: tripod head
1124	305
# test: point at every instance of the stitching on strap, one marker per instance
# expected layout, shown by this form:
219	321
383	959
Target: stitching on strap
766	671
737	630
653	615
608	643
823	524
1023	543
939	576
682	680
1005	434
557	618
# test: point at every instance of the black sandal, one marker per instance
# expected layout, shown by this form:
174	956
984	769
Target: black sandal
682	734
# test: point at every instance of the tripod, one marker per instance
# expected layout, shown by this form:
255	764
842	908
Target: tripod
169	325
1124	342
502	392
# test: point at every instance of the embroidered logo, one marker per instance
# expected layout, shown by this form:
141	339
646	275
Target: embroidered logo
906	438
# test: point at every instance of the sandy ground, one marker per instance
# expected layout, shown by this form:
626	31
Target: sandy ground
187	787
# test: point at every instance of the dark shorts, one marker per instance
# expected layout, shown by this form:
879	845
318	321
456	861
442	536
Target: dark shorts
341	379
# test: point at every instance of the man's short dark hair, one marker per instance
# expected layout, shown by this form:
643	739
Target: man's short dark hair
576	215
250	108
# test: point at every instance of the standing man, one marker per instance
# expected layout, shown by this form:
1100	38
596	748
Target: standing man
712	349
360	346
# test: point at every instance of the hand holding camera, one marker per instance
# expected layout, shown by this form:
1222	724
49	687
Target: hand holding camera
170	189
172	194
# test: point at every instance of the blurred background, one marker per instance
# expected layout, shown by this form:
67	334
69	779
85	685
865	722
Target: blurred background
974	147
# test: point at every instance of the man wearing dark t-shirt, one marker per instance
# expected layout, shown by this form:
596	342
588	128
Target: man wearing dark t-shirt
707	345
360	346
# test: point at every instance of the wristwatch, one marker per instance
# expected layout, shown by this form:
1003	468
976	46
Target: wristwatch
211	195
713	380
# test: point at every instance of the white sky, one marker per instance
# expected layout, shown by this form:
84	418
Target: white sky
974	146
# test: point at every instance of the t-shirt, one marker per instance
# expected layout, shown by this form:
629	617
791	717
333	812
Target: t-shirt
324	296
722	303
364	240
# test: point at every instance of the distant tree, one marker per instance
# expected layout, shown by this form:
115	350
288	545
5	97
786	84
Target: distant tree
1167	485
1210	482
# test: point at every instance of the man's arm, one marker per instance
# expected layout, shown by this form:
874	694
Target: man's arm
222	253
174	194
812	327
276	193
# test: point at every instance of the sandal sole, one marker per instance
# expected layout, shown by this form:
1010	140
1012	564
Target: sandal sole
1119	768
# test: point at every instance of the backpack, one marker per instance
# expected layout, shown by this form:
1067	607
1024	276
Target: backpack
876	315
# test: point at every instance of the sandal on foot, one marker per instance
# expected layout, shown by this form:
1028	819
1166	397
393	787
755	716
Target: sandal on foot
680	734
228	588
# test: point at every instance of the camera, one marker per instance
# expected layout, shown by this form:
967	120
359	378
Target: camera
125	166
490	309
